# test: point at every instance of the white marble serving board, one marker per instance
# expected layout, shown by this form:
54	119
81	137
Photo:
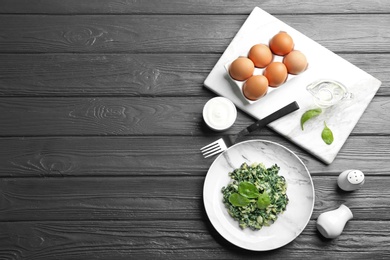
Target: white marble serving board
259	27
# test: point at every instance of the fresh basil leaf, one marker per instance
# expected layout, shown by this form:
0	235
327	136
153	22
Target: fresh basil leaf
263	201
327	135
310	114
238	200
248	190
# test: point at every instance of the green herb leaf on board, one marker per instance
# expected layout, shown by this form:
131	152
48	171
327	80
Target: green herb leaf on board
327	135
310	114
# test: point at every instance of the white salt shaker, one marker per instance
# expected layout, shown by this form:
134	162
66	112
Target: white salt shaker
350	180
331	223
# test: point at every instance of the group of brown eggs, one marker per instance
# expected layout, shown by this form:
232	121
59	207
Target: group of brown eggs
275	72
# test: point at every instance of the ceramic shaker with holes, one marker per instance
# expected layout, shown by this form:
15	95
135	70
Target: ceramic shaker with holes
350	180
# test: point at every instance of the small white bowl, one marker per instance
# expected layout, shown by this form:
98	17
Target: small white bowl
219	113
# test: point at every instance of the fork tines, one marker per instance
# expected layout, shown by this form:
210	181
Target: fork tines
213	148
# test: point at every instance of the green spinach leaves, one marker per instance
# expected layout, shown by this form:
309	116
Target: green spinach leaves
310	114
326	134
247	191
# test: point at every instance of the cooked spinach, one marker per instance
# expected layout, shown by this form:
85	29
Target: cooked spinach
256	195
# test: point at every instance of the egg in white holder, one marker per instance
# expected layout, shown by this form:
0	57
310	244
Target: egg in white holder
257	71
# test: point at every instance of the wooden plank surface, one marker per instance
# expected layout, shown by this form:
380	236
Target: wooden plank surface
145	198
162	156
135	116
100	128
177	33
157	74
192	239
214	7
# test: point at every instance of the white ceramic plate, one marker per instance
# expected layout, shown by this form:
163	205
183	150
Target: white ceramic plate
300	191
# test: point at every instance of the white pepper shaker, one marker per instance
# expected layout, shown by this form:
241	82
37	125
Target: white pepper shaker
331	223
350	180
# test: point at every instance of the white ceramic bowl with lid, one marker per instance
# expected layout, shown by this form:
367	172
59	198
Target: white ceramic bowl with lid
219	113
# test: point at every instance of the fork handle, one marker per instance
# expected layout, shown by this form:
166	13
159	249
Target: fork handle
270	118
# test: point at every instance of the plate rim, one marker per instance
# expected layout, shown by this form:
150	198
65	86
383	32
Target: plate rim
218	229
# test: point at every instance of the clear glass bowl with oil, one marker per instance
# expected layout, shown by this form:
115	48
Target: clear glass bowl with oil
327	93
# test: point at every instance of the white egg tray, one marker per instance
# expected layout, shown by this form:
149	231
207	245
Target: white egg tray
259	27
258	71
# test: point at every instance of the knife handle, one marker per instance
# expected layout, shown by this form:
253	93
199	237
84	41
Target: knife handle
272	117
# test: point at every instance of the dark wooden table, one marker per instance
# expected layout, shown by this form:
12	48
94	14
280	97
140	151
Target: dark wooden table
101	125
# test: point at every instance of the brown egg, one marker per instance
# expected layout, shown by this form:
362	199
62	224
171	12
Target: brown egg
255	87
276	73
295	62
261	55
241	68
281	44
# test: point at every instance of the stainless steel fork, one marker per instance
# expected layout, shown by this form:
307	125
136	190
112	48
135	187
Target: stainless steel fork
225	142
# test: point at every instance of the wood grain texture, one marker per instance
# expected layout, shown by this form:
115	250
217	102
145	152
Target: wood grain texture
100	128
136	116
162	156
178	33
132	74
148	198
190	239
183	7
105	74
